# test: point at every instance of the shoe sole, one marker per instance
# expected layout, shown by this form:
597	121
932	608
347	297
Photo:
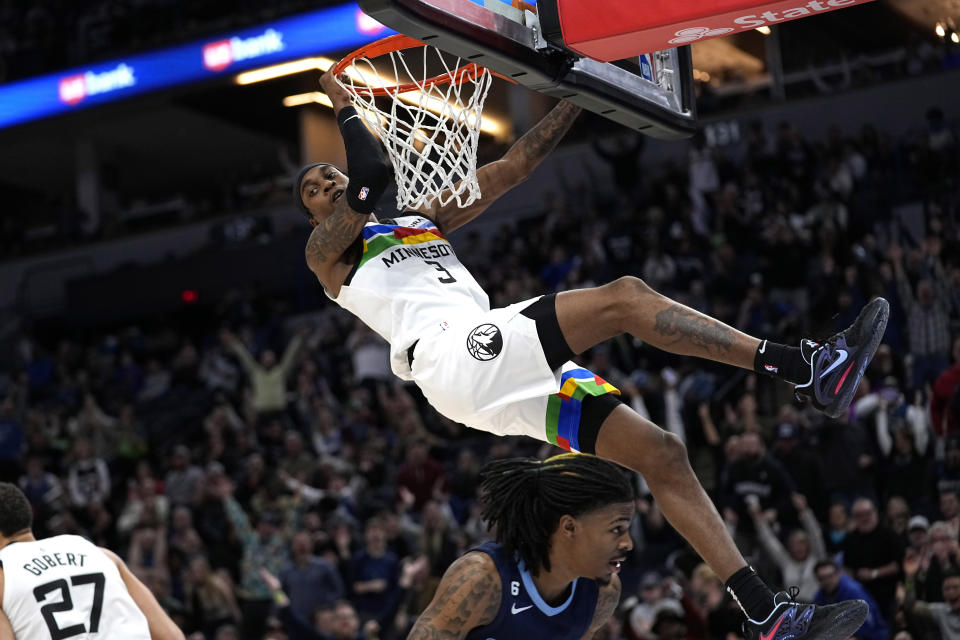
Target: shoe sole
846	624
867	331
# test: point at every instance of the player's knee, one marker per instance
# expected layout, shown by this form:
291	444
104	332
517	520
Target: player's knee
630	287
672	453
624	295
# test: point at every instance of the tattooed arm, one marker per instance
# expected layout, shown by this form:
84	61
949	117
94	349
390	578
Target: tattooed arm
329	239
516	165
468	597
607	602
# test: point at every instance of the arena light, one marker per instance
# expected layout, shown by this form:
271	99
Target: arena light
765	30
285	69
940	30
434	105
954	38
301	99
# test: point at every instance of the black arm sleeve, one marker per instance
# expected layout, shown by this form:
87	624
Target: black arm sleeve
368	170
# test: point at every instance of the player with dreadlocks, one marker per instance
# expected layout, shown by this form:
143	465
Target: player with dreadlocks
561	533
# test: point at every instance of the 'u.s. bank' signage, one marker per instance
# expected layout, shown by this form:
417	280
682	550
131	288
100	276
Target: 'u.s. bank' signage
341	27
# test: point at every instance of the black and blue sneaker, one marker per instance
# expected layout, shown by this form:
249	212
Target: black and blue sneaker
837	365
791	620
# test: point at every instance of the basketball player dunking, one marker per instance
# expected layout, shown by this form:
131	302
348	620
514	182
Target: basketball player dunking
508	370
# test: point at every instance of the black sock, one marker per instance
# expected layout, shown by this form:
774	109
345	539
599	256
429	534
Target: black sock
754	597
781	361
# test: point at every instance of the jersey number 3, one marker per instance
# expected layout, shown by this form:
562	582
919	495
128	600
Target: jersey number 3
66	604
447	278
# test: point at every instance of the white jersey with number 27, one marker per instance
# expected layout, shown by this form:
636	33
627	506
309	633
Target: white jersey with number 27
65	587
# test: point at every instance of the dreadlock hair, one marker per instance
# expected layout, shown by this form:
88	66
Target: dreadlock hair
525	498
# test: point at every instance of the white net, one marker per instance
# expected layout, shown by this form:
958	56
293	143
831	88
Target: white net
429	126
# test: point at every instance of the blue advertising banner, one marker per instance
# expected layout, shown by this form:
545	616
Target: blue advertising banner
315	33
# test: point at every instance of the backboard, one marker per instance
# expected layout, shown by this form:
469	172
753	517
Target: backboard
652	93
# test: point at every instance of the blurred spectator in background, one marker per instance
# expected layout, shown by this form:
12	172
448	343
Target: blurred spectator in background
183	480
440	542
420	475
623	156
268	378
803	550
11	441
945	403
849	462
950	510
88	478
943	557
374	572
210	601
669	624
371	357
873	553
836	586
263	546
948	469
309	581
838	528
802	465
945	614
42	488
754	477
928	314
147	553
644	612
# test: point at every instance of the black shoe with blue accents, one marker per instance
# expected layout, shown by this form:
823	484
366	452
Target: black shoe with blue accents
837	365
791	620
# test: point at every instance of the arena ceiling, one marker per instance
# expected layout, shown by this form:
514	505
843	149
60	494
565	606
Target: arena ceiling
215	130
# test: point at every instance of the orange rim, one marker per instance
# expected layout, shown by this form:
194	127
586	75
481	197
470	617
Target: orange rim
399	42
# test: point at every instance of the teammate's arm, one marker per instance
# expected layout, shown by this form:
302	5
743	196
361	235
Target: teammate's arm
516	165
468	597
607	602
161	626
6	629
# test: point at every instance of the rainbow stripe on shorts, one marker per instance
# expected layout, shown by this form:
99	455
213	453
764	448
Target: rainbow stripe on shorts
563	408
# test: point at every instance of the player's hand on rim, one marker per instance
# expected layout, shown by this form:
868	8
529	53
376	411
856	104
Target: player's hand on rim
335	91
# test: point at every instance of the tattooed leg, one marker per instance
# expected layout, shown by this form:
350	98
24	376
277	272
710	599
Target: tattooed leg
590	316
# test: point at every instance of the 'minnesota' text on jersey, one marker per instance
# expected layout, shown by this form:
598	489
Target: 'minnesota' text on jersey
407	280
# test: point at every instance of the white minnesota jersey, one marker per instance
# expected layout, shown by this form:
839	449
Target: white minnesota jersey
407	283
65	587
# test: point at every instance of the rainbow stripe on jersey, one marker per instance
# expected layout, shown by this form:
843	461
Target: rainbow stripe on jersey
378	238
563	408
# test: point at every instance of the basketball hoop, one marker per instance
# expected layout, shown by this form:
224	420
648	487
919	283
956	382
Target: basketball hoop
430	125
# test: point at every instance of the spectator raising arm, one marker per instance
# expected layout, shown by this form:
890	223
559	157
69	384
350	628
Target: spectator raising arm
161	626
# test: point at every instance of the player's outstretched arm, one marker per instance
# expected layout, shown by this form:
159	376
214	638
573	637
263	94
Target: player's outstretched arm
161	626
468	597
607	603
516	165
